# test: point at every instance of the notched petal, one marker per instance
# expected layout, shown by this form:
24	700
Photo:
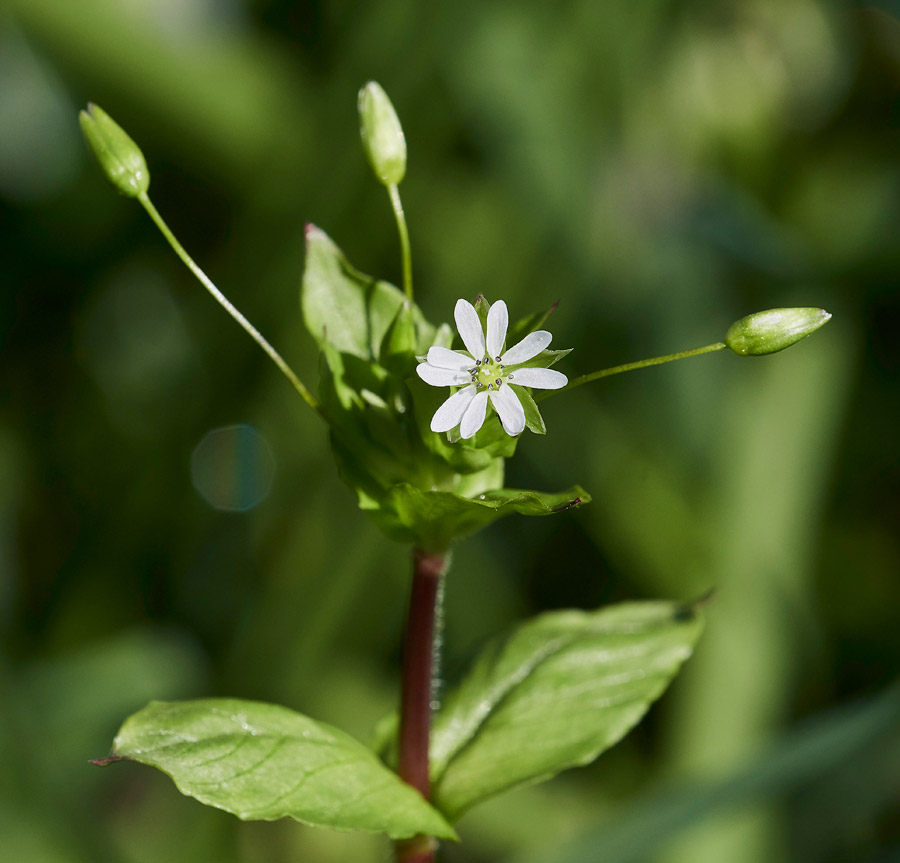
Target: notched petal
497	324
508	406
539	379
444	358
450	413
473	418
528	348
469	326
438	377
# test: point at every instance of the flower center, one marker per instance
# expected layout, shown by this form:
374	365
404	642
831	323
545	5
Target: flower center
489	373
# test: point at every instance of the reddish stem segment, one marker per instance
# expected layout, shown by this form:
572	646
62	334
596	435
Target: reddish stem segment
416	692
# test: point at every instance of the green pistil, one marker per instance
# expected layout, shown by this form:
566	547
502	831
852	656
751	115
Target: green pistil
489	373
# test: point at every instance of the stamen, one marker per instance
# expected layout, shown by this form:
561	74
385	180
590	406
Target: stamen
509	376
490	386
498	360
498	382
477	362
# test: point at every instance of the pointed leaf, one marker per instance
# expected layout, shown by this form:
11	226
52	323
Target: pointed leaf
262	762
433	519
553	694
398	348
349	309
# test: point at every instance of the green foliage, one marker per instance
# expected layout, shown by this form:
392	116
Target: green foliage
418	486
714	164
262	762
434	518
555	693
349	311
845	739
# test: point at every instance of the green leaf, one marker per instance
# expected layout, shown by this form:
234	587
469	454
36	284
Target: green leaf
346	308
840	742
262	762
553	694
432	519
398	349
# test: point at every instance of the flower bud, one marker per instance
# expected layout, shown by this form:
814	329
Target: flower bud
773	330
382	136
119	157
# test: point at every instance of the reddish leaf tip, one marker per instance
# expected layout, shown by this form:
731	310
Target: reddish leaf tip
110	759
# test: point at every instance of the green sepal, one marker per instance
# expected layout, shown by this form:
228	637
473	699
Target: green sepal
552	694
545	359
533	420
482	307
528	324
262	762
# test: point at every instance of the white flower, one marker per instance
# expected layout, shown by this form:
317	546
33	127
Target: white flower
485	371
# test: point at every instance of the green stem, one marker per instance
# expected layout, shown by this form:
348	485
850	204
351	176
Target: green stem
630	367
397	206
207	283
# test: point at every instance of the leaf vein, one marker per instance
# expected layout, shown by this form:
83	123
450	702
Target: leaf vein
256	765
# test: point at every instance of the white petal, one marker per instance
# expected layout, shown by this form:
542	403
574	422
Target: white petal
444	358
450	413
469	325
438	377
512	415
473	418
528	348
497	322
540	379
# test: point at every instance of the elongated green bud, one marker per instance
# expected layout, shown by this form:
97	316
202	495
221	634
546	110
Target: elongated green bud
773	330
382	135
121	159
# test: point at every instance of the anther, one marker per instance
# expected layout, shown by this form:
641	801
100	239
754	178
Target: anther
498	382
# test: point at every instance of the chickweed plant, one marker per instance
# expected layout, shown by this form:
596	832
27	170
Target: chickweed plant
421	419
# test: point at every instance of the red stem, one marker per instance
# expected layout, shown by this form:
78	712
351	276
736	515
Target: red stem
416	691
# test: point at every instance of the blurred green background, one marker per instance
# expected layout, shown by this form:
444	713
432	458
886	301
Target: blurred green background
661	169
